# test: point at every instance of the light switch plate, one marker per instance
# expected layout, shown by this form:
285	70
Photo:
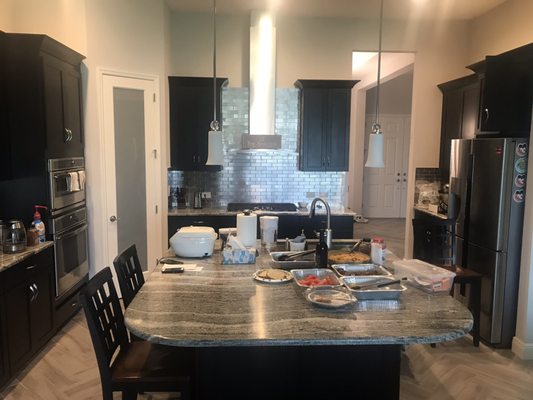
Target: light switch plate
206	195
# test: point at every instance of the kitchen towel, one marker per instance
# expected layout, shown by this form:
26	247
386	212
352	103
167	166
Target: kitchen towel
74	182
247	229
81	178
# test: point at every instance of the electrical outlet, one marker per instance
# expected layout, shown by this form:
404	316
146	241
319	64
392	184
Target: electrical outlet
206	195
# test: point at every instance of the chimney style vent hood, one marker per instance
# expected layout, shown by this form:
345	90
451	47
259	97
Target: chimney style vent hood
262	84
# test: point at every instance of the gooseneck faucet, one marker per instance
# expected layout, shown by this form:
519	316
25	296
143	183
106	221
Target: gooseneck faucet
328	232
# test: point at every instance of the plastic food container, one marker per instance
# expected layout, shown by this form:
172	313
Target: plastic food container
359	269
428	277
193	241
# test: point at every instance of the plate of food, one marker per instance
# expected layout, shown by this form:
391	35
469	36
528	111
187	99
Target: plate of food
272	275
329	297
347	257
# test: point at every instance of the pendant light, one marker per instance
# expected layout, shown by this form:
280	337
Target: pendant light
215	154
375	140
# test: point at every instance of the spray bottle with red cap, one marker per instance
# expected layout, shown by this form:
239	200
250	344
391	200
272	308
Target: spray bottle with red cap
39	224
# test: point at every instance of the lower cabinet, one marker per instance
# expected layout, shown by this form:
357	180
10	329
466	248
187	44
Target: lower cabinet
28	307
4	369
289	226
432	239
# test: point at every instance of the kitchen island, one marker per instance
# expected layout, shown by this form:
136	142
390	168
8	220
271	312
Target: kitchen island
265	341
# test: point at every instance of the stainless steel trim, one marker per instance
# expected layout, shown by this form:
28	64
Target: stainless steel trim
56	164
68	221
71	233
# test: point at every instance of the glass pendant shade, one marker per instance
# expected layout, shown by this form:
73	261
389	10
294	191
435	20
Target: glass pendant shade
375	151
215	155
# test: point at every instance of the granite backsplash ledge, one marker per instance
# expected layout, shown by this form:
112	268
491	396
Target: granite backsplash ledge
261	175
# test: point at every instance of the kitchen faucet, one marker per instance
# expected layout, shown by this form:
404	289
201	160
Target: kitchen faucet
328	233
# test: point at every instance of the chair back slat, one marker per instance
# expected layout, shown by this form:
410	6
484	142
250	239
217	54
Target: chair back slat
129	273
104	318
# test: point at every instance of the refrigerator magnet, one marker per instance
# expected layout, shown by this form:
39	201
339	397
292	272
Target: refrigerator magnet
520	180
518	196
520	165
521	149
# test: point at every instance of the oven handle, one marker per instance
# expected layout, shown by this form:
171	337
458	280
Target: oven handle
72	233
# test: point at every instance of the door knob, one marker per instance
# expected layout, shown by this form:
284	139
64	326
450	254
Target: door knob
113	218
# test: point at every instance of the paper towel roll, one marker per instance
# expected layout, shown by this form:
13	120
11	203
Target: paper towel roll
247	229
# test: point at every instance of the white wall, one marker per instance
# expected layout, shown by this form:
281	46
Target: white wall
504	28
7	15
61	20
395	96
128	36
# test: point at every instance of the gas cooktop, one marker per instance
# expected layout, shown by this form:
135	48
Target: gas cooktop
262	207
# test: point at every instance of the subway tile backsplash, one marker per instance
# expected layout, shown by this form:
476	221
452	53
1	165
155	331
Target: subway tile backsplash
261	175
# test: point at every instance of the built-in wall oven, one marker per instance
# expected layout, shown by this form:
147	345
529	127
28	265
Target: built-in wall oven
68	223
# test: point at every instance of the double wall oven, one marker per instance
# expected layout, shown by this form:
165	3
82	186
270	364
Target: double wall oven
68	223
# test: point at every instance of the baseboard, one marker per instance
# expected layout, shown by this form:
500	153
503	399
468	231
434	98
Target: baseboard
522	350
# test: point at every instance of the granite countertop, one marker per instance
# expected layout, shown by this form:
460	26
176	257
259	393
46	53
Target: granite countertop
335	210
8	260
432	213
224	306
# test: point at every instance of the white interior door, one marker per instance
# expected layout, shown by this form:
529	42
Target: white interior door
132	169
385	189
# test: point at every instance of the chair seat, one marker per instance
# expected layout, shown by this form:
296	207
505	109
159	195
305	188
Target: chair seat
145	362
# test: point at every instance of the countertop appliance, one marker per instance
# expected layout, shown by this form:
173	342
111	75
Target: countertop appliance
193	241
14	237
488	183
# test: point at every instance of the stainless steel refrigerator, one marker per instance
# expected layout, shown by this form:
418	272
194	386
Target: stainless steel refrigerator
488	183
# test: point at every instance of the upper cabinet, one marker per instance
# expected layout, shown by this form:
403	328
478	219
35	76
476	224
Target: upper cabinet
506	92
43	95
191	113
460	112
324	124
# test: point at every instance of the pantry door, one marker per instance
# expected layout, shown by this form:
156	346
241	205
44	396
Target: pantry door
132	167
385	189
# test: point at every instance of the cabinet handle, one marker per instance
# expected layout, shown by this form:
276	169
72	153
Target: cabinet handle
398	180
36	291
405	180
32	290
65	136
329	161
74	304
71	135
31	267
486	114
197	222
398	174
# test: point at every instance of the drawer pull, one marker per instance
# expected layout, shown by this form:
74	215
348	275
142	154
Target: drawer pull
33	294
31	267
197	222
74	304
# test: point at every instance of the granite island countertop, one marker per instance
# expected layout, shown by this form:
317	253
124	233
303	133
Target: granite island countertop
224	306
8	260
335	210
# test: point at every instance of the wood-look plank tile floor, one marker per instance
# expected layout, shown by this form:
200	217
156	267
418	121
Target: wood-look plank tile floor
66	369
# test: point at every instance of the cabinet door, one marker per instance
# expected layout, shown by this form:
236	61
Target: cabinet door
507	94
191	113
17	303
41	308
452	106
338	130
62	109
313	124
470	115
4	371
72	111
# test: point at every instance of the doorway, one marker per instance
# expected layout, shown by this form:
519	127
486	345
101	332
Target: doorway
132	170
385	189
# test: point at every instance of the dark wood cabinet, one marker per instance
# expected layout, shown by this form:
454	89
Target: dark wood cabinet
191	113
289	226
5	148
507	92
460	107
29	309
324	124
432	239
4	368
43	91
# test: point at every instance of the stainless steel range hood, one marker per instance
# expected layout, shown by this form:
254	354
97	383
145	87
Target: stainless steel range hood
262	84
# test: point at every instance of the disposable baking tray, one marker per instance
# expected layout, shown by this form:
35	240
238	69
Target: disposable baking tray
320	273
360	270
392	292
307	261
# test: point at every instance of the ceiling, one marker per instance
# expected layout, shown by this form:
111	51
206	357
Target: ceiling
395	9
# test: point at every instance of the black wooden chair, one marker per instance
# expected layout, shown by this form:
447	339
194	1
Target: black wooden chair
130	367
129	273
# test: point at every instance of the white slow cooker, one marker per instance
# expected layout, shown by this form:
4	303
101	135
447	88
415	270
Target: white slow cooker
193	241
